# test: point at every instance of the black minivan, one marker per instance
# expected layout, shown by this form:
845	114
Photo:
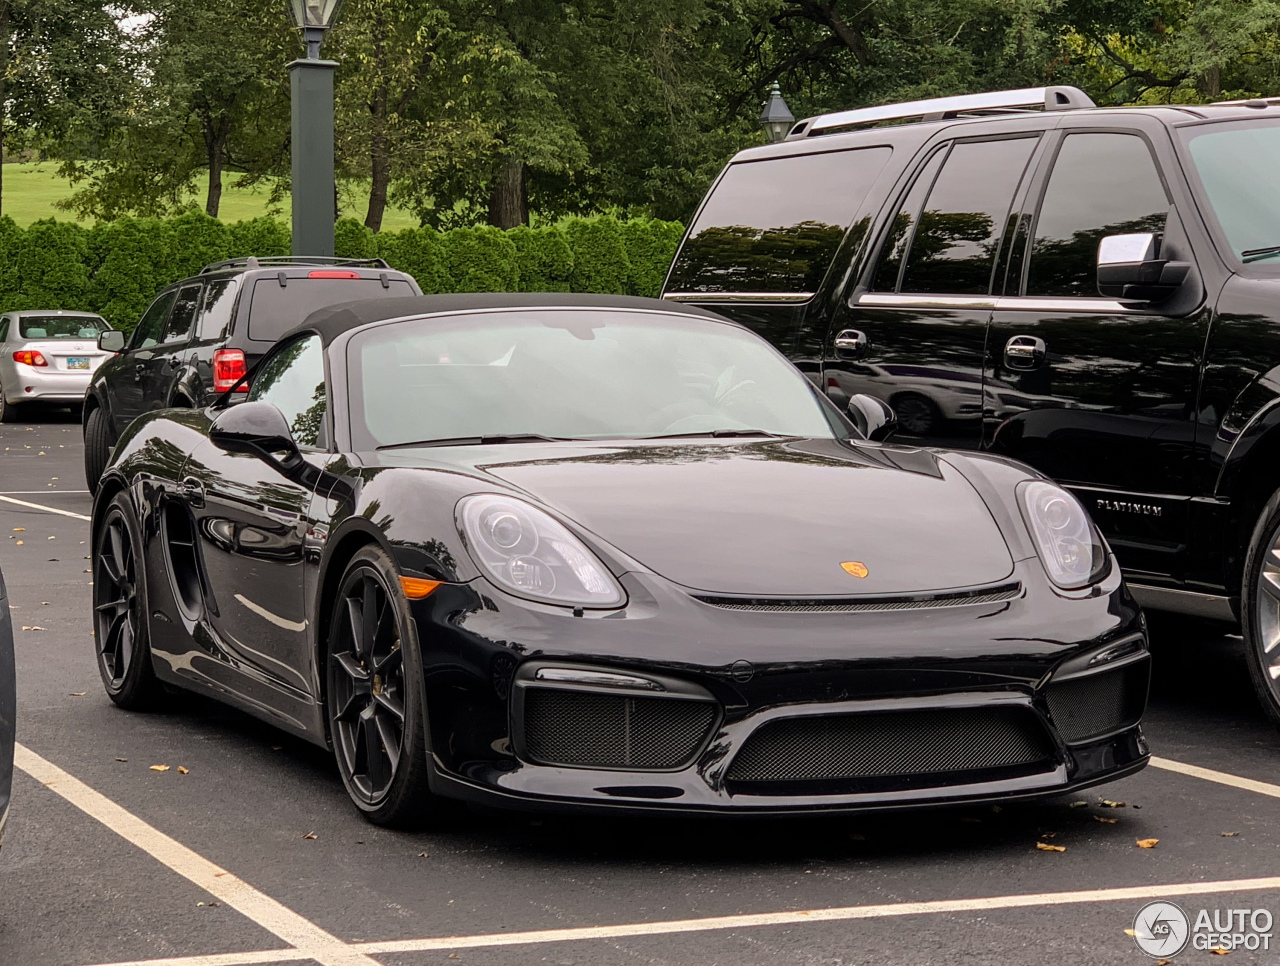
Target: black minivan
1093	291
200	335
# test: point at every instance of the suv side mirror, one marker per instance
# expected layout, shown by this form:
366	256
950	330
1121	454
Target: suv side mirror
112	340
1129	268
874	418
257	428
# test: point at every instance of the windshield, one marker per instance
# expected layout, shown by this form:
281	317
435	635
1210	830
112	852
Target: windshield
59	326
576	374
1239	167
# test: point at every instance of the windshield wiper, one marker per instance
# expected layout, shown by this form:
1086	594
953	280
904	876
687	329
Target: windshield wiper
479	440
723	433
1253	254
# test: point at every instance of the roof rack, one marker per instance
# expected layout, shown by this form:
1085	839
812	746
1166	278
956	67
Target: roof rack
1258	102
252	262
944	108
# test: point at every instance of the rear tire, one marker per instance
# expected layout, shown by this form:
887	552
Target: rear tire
8	410
374	699
97	448
1260	608
122	631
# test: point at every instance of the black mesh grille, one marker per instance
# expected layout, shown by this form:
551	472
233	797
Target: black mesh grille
1100	703
890	745
613	731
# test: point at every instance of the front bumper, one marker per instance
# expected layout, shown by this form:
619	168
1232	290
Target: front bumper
24	383
992	657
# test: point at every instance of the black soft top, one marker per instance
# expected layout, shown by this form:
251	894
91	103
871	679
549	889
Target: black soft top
331	322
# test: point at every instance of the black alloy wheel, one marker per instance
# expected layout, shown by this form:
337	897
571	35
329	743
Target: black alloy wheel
374	695
121	630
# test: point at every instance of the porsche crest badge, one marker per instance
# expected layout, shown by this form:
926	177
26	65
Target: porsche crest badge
855	568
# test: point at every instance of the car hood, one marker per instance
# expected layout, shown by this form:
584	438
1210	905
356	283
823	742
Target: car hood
775	518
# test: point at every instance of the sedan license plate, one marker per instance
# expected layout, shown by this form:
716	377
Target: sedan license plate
77	362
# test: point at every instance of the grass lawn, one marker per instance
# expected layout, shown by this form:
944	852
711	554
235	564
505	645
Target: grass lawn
31	189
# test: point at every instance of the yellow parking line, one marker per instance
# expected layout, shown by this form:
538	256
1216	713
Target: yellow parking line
309	940
1221	777
46	509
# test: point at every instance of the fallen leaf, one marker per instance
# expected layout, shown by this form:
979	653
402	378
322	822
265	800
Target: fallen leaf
33	627
1078	804
78	694
159	767
215	905
424	855
1048	835
1108	803
1216	951
20	543
1046	847
1148	843
1130	932
311	835
44	603
1164	962
53	538
19	529
122	759
183	771
1105	821
454	956
1229	835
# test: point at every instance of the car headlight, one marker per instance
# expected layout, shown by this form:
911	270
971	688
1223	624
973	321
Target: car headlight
527	552
1068	543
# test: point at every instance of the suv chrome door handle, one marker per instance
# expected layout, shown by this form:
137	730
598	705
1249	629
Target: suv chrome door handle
852	344
192	491
1024	352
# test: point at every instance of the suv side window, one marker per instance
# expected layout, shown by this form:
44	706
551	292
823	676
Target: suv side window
178	328
219	304
958	234
293	381
1102	184
150	326
4	329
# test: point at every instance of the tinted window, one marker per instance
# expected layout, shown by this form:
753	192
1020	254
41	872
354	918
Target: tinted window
579	374
183	315
958	234
219	304
774	226
1239	166
152	323
277	308
59	327
895	246
4	329
292	380
1102	184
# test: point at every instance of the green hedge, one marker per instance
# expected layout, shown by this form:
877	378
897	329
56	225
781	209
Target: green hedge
115	267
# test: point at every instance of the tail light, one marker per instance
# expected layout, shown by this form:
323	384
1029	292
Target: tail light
228	369
29	357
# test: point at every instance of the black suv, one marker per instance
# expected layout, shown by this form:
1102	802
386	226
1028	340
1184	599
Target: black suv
1093	291
200	335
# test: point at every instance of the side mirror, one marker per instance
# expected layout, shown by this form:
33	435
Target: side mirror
257	428
112	340
1129	268
874	418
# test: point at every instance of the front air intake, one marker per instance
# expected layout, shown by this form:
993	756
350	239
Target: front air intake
587	729
1093	705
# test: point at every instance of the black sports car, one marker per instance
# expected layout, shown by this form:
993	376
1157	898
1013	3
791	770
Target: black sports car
584	552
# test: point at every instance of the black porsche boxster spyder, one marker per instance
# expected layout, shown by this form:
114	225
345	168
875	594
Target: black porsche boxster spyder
571	552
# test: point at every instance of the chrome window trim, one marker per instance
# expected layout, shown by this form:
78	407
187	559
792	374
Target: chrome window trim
1004	303
738	296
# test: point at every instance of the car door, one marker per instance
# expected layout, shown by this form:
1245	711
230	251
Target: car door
127	380
252	519
164	365
1096	393
913	332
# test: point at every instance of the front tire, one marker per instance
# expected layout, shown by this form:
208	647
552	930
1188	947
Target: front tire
374	695
122	633
97	448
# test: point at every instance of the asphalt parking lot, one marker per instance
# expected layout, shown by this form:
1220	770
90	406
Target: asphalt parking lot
246	849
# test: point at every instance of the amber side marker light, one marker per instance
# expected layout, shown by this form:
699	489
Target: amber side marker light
415	588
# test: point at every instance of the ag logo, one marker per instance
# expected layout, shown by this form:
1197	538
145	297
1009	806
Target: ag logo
1161	929
855	568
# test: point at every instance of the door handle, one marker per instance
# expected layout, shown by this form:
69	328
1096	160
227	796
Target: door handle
1024	352
852	344
192	491
139	370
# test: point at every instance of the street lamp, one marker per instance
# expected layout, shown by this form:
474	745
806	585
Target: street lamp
311	83
776	118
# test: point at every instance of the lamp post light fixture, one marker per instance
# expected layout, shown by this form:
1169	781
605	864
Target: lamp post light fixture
311	85
776	118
